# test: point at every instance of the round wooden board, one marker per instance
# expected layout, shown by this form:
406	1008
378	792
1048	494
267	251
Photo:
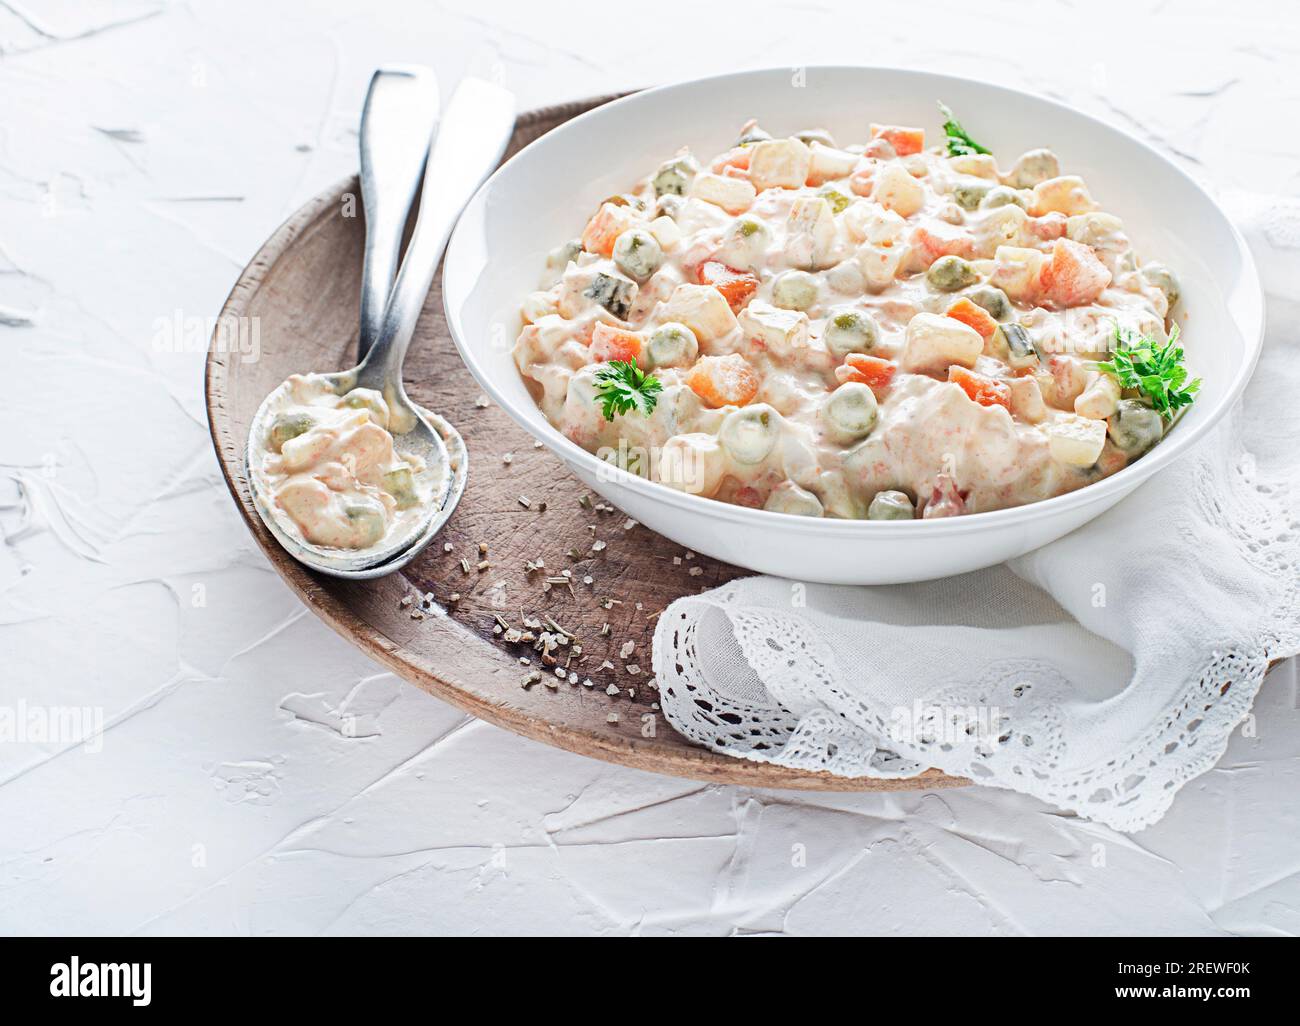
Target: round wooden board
302	290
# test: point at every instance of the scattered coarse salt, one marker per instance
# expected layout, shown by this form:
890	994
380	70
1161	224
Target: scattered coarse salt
629	524
695	571
588	683
598	546
613	689
628	648
588	579
447	546
633	669
481	402
677	560
508	458
406	600
612	718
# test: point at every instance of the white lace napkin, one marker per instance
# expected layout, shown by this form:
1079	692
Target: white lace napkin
1099	673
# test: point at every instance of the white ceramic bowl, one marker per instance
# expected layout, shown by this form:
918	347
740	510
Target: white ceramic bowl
544	195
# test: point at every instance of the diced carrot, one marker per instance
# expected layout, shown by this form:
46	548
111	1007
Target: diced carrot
737	157
607	225
609	343
731	171
974	316
861	182
1073	276
941	239
983	390
723	380
904	140
869	370
736	286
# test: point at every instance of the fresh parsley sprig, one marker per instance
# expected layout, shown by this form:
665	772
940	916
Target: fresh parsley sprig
960	144
1154	369
623	386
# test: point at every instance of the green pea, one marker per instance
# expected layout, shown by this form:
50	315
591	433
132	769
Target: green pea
838	201
400	484
287	426
891	505
794	290
1162	278
637	253
672	345
851	331
674	176
970	194
368	399
849	413
992	299
1134	427
369	519
950	273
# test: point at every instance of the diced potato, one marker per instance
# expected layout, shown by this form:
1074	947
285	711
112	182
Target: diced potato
1076	441
1098	230
934	343
1027	399
779	330
1100	397
788	497
537	305
981	165
827	163
898	191
731	194
870	222
1016	270
703	309
779	164
810	232
1066	195
692	463
1033	167
1002	226
879	263
666	232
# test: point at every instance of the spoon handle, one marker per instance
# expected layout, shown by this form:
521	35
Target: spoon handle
476	126
397	129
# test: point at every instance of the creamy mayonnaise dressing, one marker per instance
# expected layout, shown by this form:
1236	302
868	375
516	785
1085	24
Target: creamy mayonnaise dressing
328	464
879	331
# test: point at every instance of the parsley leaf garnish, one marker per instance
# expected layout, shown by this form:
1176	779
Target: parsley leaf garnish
1154	369
960	144
623	386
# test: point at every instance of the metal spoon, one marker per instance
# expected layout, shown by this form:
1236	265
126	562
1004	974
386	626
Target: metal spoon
475	130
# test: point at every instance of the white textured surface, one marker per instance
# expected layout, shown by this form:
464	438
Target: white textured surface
146	149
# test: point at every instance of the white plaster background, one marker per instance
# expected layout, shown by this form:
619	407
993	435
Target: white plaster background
146	149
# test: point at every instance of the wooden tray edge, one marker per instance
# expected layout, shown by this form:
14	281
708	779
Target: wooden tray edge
698	764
